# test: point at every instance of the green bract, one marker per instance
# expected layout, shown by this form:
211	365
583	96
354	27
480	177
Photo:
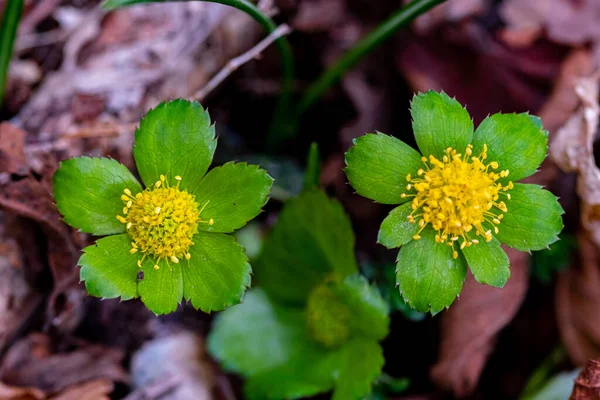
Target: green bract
458	197
170	240
315	324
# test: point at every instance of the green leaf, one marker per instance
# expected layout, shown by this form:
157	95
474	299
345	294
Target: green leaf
377	166
516	141
440	122
232	195
268	344
109	270
533	220
488	262
369	310
361	363
88	193
429	278
288	382
175	138
395	229
161	290
218	273
11	16
312	239
243	336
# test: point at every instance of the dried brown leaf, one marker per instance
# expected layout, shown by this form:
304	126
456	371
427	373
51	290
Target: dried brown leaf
578	288
452	11
577	299
30	362
17	299
471	325
567	22
587	384
30	197
94	390
468	62
20	393
563	101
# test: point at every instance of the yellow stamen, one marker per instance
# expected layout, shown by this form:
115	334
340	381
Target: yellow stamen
161	222
458	194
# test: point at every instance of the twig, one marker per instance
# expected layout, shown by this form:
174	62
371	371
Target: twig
238	61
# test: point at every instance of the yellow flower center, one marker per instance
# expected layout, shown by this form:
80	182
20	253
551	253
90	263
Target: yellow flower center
456	195
161	221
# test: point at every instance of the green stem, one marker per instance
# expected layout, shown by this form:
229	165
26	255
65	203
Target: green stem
8	30
283	110
312	173
399	19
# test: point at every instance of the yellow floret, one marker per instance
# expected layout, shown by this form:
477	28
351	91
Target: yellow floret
456	195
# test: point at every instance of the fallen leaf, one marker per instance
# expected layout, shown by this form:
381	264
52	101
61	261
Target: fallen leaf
17	299
567	22
31	363
587	384
471	325
93	390
578	298
12	155
20	393
578	288
470	63
563	101
173	367
449	12
30	196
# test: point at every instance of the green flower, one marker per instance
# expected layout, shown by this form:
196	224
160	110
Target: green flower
168	241
458	197
314	325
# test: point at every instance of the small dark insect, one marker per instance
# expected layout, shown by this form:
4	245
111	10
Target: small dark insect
140	276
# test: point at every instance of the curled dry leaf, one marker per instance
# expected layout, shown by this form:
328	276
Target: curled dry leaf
577	291
587	384
31	363
578	300
471	325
